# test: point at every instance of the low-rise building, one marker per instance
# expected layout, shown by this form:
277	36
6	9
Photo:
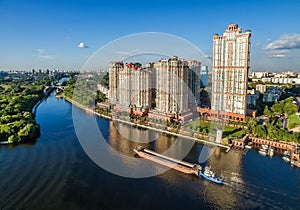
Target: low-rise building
272	95
261	88
252	96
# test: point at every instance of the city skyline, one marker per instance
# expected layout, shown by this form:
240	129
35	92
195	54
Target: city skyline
63	35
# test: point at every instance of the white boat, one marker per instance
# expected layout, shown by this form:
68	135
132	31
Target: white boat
286	159
287	153
265	146
263	152
248	147
271	152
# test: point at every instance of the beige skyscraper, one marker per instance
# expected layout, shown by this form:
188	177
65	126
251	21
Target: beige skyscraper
165	90
130	86
172	89
231	60
114	70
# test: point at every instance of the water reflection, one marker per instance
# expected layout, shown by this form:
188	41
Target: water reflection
228	165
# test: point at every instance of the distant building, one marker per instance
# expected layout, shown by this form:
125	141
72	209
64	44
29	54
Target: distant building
204	76
267	80
231	59
103	89
252	96
261	88
272	95
285	80
259	75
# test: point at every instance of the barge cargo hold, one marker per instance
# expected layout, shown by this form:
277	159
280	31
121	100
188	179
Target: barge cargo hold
179	165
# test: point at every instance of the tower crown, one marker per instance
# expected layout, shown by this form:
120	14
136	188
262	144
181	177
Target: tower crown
233	28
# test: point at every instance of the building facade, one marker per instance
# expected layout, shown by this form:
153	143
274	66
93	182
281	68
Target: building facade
204	76
130	86
272	95
261	88
231	59
169	88
114	70
172	89
194	82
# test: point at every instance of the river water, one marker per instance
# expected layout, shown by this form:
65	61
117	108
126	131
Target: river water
55	173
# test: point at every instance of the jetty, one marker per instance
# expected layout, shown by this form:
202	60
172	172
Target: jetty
179	165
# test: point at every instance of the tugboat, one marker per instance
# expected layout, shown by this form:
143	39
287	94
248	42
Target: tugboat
210	175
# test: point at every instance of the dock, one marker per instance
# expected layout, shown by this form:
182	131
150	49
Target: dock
179	165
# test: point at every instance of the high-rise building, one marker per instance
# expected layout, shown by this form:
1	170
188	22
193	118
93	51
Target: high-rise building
130	86
231	59
169	88
114	70
194	82
172	89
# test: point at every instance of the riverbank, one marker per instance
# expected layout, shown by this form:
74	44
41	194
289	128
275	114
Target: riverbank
89	110
46	94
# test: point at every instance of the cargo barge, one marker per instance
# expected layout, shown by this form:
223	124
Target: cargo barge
179	165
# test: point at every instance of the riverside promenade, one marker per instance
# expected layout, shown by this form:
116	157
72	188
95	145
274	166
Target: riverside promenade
201	141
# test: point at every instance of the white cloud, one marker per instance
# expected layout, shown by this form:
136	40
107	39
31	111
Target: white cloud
41	54
82	45
286	42
277	53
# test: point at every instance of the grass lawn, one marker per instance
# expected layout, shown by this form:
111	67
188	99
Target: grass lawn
231	132
193	125
294	121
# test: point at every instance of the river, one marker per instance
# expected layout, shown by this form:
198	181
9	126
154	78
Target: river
54	172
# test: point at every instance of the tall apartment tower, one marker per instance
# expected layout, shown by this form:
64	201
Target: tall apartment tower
231	59
130	86
194	82
172	89
171	86
114	70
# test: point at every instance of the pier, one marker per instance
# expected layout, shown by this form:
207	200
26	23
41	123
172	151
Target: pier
179	165
279	146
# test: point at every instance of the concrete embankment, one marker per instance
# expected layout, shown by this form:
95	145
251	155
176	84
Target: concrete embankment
176	134
146	127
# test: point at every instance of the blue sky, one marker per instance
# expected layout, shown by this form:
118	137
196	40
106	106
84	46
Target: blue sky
46	34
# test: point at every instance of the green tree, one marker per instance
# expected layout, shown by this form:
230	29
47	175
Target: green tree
267	112
14	138
29	131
